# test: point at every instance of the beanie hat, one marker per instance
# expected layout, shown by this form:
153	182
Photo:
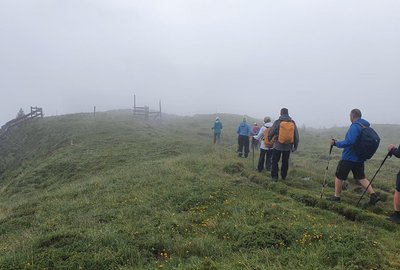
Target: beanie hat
284	111
267	119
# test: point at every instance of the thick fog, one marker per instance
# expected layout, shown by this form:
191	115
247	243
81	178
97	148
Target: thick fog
318	58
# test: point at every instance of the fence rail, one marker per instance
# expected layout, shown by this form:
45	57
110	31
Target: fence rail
35	113
145	111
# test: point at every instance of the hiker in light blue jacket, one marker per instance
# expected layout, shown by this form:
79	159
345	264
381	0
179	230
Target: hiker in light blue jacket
217	128
243	131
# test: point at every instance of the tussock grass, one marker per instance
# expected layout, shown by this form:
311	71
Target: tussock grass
113	192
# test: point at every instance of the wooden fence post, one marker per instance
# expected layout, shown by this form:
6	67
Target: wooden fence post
146	112
160	107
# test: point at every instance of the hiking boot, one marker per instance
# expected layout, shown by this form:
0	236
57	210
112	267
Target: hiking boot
275	179
239	154
373	199
334	199
246	155
395	217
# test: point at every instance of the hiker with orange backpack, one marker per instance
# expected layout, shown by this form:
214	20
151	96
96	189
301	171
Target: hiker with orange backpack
265	159
287	139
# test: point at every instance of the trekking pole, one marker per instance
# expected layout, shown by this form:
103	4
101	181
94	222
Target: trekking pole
370	182
253	153
326	171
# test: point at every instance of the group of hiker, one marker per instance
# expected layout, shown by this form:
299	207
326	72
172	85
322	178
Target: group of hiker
278	140
275	142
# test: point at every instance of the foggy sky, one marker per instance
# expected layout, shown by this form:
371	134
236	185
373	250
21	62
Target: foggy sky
318	58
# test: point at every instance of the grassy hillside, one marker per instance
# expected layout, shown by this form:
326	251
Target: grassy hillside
113	192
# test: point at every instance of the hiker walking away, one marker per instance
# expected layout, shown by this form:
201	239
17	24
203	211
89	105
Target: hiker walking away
243	131
265	159
351	161
217	128
287	139
254	141
395	217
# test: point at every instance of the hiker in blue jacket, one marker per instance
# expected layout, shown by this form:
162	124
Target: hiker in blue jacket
243	131
217	128
395	217
350	161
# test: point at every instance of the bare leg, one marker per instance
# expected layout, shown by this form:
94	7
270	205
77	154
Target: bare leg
338	187
396	201
364	183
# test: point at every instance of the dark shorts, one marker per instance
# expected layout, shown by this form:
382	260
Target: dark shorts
398	182
344	167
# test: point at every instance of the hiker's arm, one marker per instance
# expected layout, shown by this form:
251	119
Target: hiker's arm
296	136
396	151
260	134
273	131
351	137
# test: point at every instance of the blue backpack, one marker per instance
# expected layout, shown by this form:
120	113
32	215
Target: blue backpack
367	143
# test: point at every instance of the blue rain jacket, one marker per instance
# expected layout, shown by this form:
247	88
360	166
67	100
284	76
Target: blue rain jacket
352	135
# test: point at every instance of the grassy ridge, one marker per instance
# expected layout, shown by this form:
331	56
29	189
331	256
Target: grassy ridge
118	193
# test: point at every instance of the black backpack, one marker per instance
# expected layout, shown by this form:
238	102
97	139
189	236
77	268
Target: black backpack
367	143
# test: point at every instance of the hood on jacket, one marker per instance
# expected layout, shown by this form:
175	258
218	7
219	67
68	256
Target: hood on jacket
285	117
362	122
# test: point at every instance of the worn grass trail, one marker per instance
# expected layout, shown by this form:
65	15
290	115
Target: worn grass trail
118	193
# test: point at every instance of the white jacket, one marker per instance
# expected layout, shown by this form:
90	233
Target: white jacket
260	136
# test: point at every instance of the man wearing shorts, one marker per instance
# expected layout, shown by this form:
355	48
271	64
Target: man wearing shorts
350	161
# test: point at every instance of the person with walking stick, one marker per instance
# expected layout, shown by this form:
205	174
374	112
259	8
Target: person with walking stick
265	159
395	217
352	159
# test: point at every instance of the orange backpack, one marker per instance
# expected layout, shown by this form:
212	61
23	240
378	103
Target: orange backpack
268	143
286	132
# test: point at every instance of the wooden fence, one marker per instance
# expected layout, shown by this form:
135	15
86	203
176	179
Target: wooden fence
145	111
35	113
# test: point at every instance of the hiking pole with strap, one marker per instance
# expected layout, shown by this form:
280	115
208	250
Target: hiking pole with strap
389	154
326	171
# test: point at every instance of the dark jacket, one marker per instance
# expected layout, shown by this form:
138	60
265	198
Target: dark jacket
274	131
396	152
352	136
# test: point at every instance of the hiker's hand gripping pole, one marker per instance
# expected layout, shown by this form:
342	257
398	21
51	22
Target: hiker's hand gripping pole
388	155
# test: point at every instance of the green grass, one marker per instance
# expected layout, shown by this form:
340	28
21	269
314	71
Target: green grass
113	192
